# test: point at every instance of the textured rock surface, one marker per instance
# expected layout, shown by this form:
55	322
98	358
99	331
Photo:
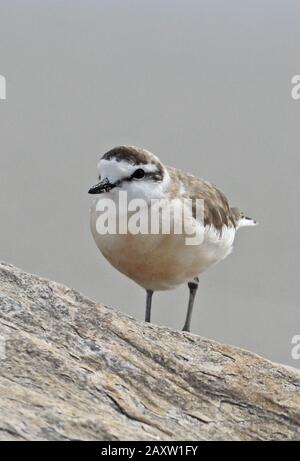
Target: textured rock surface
73	369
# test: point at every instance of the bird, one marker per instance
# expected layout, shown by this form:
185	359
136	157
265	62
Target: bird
161	261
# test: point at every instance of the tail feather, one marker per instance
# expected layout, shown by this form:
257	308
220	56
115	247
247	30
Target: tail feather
246	221
241	219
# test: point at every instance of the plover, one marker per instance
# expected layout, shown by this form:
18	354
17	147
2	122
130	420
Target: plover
158	261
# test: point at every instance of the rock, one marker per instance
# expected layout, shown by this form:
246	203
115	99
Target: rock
72	369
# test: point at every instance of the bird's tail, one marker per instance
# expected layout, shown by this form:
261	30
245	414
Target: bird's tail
245	221
242	220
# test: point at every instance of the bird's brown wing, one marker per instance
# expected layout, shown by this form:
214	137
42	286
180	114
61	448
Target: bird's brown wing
217	212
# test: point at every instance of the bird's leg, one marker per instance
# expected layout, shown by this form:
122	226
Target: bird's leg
148	305
193	286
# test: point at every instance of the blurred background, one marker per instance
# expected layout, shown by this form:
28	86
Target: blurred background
206	85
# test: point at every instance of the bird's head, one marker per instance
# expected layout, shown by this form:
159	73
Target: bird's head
136	171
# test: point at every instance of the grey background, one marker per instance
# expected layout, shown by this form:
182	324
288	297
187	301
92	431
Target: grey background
206	85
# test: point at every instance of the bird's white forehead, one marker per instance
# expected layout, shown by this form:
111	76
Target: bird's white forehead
115	170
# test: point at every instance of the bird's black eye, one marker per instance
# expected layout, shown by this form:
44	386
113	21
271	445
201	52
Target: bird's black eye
138	174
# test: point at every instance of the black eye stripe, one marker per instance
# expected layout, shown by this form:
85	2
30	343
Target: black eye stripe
153	176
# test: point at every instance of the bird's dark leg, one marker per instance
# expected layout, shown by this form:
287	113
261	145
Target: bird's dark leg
193	286
148	305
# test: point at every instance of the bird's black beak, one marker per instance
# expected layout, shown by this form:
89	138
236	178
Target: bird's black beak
103	186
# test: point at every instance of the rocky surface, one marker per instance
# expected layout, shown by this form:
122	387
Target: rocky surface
72	369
